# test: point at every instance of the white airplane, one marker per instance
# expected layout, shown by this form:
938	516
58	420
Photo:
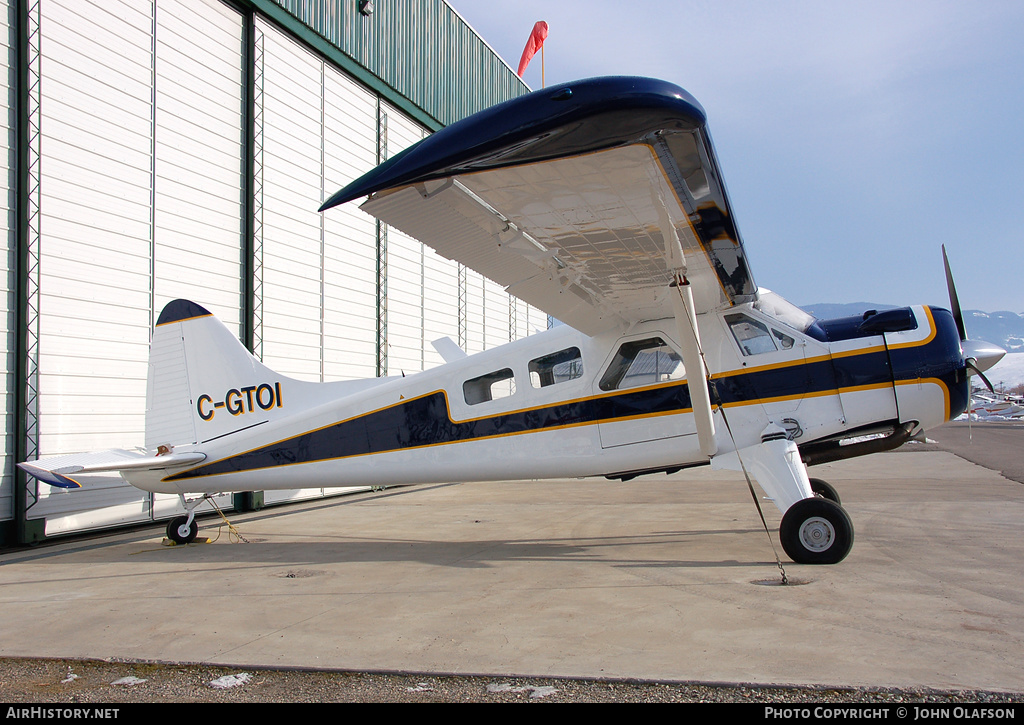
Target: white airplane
601	203
992	406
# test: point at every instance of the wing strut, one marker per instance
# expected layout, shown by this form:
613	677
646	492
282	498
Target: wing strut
696	371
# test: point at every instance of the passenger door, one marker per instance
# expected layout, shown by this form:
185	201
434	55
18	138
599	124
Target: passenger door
640	393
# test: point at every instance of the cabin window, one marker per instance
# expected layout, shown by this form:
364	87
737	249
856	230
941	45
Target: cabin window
558	367
752	336
499	384
643	362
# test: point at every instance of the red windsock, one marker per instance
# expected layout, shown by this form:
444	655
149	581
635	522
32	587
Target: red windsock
535	43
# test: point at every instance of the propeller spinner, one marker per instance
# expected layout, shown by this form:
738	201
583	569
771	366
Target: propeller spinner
979	356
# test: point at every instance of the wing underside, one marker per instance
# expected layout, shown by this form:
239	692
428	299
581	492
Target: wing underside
593	228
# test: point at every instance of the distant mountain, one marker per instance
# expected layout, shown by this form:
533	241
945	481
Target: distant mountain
1005	329
826	310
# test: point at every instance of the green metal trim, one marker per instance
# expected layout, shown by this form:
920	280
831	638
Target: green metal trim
247	501
337	57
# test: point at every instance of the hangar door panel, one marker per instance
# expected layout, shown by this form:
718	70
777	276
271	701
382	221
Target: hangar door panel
440	303
292	237
95	241
497	315
136	179
316	273
473	302
405	265
198	169
350	235
198	185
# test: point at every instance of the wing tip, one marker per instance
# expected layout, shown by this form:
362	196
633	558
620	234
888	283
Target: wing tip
49	477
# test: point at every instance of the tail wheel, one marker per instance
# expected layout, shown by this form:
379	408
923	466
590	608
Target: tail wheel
816	531
825	490
181	531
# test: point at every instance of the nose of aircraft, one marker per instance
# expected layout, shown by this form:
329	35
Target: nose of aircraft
979	356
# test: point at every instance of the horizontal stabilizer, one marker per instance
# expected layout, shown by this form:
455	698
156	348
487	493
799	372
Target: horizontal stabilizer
58	471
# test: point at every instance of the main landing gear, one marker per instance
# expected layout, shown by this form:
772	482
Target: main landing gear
816	531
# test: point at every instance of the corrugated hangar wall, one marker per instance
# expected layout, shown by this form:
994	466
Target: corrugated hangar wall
180	148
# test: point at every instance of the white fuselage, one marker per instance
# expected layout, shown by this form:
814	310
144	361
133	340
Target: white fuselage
548	406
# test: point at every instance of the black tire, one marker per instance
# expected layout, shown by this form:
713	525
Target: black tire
816	531
178	533
825	490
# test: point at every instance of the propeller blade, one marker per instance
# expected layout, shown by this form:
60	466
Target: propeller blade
954	301
978	355
974	368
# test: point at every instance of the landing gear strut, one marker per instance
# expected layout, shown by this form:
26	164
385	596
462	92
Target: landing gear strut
824	489
816	531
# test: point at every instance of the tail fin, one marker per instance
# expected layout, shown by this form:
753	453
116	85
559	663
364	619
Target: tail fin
203	383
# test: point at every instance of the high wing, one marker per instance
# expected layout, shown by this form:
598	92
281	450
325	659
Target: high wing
586	200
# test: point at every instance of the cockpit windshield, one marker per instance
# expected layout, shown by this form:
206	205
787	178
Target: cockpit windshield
782	310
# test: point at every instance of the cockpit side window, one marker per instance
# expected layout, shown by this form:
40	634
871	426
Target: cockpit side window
782	339
751	335
642	362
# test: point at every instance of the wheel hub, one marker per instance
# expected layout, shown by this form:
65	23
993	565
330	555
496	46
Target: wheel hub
817	534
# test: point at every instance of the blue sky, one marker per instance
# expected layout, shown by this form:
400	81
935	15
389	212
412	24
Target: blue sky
855	138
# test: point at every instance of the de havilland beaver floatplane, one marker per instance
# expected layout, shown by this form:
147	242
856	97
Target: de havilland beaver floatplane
601	203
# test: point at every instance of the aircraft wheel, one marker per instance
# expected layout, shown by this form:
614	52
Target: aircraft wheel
825	490
180	531
816	531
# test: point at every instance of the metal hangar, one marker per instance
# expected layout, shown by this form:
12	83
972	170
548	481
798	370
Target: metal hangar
164	149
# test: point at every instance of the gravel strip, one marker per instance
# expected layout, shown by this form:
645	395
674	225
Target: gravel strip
90	681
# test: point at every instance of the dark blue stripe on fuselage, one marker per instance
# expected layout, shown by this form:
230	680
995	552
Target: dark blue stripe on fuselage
865	369
425	421
783	382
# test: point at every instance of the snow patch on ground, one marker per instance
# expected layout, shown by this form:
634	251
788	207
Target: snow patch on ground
228	681
1008	372
535	692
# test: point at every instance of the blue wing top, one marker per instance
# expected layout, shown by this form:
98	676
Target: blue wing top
589	173
564	120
